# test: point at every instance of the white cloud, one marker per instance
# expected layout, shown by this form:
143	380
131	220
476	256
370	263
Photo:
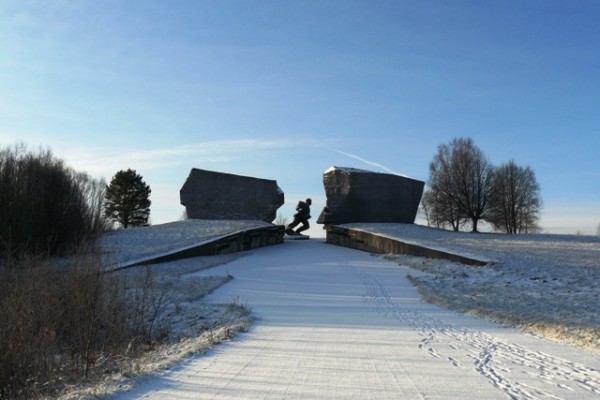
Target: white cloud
107	161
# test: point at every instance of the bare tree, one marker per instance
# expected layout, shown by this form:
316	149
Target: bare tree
440	211
516	205
461	182
93	192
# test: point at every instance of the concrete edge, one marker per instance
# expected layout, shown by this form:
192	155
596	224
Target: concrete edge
231	243
380	244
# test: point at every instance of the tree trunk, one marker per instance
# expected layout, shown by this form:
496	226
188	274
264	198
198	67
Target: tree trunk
474	223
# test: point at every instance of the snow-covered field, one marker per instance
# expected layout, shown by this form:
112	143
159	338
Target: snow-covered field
339	323
545	284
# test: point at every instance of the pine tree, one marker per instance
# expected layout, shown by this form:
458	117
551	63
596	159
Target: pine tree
127	199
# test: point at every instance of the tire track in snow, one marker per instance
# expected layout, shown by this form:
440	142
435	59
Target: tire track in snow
501	363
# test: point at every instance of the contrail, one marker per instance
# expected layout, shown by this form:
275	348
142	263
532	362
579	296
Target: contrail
209	151
367	162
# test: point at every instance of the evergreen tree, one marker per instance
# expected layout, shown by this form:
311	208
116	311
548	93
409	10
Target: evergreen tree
127	199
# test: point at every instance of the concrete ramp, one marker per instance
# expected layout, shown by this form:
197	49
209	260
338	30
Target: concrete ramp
184	239
383	244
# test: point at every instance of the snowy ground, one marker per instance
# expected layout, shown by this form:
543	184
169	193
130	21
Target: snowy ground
548	252
186	324
339	323
125	245
545	284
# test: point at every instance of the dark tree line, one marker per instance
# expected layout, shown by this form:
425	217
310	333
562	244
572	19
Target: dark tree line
48	208
62	324
464	187
45	207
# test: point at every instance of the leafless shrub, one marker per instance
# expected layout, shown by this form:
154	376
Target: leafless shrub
280	220
61	325
149	301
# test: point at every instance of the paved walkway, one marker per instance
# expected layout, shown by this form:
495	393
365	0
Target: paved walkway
339	323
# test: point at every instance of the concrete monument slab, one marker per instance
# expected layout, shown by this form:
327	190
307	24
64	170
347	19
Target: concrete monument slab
355	195
217	195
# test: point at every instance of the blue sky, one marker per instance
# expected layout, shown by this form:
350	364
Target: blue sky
285	89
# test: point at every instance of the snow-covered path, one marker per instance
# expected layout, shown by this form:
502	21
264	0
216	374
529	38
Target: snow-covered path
339	323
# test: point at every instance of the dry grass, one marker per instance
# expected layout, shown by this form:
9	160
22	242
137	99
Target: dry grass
57	321
185	325
68	324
